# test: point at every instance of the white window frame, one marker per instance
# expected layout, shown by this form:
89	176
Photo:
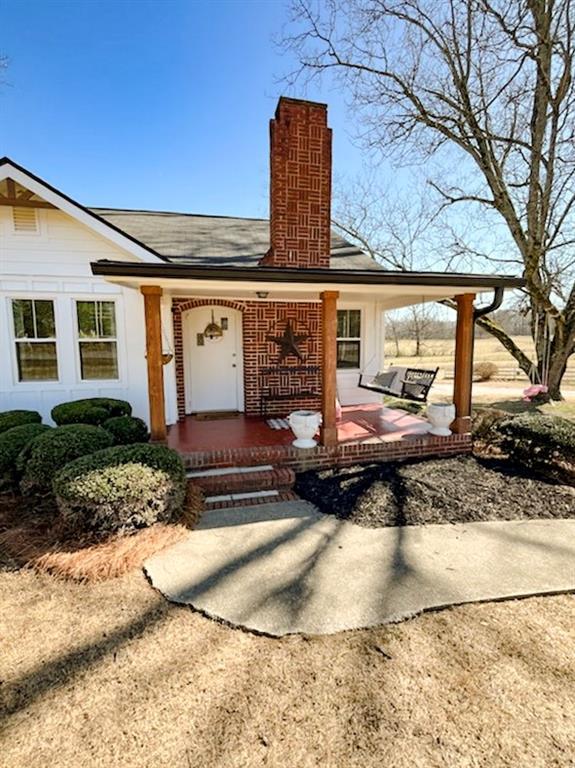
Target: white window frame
359	338
33	383
79	340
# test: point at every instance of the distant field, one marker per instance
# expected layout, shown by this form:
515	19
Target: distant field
440	352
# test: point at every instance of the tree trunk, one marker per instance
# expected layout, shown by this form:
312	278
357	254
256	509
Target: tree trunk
557	369
395	338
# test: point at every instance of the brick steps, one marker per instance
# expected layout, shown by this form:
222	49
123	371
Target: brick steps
249	500
243	486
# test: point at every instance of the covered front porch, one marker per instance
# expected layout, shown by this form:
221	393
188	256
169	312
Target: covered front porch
284	323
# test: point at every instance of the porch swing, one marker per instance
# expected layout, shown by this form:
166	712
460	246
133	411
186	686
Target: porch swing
540	383
403	383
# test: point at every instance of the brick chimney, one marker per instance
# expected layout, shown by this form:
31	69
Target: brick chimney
300	186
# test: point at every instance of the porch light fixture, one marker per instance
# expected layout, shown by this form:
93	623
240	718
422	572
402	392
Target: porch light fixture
213	331
262	294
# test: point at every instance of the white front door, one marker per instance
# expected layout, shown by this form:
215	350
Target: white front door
213	367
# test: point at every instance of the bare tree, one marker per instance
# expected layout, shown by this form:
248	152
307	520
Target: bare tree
394	323
420	321
396	231
488	86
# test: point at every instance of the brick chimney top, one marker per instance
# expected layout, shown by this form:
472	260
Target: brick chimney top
300	186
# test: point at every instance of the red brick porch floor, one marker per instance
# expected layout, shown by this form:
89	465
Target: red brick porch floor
359	424
365	433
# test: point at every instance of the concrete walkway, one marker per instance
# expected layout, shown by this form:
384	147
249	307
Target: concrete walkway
285	568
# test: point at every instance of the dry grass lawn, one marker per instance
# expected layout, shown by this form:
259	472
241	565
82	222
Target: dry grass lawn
110	674
441	352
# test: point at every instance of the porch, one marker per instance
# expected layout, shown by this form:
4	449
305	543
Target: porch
276	344
367	432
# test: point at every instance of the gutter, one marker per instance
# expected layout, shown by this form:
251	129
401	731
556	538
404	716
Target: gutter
108	268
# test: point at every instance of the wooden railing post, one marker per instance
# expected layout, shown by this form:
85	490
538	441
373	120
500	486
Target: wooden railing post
463	378
329	366
152	312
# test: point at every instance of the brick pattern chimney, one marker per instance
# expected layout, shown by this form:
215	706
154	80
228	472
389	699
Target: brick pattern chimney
300	187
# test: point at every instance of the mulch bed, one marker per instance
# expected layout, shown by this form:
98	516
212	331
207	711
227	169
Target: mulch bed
33	535
456	490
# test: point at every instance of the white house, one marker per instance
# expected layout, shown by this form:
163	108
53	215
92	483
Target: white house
101	302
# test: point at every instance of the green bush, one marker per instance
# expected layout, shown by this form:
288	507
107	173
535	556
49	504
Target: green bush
540	442
12	443
127	429
10	419
93	410
48	453
121	489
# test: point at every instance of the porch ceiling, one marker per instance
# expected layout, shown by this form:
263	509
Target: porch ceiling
391	289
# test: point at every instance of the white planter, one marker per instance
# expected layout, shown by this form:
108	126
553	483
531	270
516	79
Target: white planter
440	415
304	425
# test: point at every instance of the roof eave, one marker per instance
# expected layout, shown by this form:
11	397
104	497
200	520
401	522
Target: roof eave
309	276
53	195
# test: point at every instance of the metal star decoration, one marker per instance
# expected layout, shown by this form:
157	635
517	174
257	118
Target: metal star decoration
288	342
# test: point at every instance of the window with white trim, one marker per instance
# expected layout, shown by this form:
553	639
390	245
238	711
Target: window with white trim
348	338
97	339
35	339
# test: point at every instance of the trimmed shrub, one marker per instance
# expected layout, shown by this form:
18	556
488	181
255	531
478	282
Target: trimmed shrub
48	453
10	419
12	443
121	489
486	423
485	371
541	442
127	429
92	410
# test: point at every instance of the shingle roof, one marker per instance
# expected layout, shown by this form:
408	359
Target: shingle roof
199	240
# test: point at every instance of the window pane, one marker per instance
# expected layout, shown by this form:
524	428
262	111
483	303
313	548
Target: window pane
354	320
96	319
37	361
107	319
348	354
348	323
86	311
45	325
341	322
23	318
98	360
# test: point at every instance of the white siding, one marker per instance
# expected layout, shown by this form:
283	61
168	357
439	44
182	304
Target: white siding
371	354
55	263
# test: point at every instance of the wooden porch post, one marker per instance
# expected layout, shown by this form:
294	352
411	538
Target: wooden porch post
464	335
152	311
329	366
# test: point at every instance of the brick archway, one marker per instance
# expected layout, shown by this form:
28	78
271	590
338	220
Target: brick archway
179	306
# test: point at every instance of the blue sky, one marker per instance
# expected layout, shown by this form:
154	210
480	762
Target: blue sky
145	104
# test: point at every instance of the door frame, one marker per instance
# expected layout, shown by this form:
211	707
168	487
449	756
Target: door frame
188	347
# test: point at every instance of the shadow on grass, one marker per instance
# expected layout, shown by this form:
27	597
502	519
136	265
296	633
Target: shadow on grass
58	672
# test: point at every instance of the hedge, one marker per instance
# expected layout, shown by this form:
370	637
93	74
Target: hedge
121	489
48	453
10	419
12	443
92	410
127	429
539	441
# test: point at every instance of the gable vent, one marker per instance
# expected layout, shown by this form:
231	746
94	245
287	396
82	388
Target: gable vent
25	219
